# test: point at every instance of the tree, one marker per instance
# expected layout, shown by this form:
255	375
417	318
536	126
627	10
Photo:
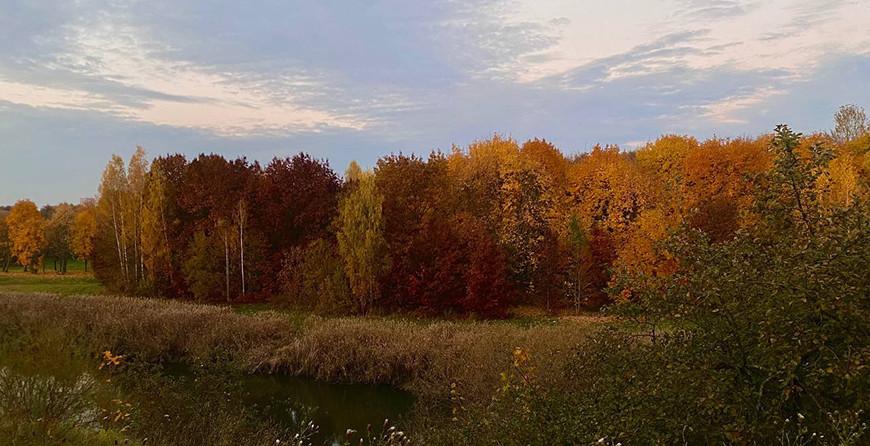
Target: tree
415	203
155	231
5	243
83	231
523	227
850	123
719	188
111	224
295	202
202	268
313	277
27	234
134	204
581	263
361	240
213	189
58	235
789	189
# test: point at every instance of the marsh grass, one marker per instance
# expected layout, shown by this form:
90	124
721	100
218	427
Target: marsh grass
426	358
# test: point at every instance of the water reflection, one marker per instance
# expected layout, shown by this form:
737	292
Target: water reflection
175	404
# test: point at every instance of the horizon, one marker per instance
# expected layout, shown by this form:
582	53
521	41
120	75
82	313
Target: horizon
357	81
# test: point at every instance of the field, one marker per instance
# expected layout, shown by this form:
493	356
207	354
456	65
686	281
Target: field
50	282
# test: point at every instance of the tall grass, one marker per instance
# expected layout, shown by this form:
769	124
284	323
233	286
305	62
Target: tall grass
428	359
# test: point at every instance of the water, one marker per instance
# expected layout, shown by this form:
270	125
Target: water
201	405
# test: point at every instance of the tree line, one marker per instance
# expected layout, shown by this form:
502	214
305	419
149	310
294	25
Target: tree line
474	230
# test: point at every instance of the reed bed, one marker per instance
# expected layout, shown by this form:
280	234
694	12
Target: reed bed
427	358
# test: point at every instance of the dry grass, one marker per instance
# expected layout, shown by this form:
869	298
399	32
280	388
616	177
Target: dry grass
424	358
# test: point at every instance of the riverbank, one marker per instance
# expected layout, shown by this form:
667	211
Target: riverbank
427	358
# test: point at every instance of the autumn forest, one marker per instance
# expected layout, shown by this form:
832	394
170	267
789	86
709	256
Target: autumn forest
684	292
473	231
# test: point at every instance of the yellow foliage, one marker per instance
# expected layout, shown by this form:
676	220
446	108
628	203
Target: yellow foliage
26	232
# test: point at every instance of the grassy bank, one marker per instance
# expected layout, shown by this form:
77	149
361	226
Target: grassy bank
428	358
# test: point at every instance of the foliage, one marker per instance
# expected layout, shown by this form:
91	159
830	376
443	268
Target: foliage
760	339
27	233
83	231
202	269
314	278
361	240
58	235
410	233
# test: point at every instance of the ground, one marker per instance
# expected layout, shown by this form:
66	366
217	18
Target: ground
51	282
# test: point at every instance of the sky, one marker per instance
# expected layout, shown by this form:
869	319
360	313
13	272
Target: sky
358	79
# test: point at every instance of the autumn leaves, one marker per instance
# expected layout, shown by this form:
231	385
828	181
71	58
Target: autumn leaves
475	230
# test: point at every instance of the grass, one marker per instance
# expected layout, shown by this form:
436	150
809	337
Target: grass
72	266
428	358
50	282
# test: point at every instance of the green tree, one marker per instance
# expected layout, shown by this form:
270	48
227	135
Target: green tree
788	194
360	236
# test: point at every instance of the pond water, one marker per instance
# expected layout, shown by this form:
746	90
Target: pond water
202	405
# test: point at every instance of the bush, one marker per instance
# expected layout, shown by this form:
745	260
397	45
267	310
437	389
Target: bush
759	340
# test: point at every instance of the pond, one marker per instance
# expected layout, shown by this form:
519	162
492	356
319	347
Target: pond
178	404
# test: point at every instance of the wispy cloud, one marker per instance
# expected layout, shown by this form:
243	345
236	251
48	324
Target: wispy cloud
358	79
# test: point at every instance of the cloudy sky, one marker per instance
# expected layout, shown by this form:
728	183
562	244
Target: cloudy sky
356	79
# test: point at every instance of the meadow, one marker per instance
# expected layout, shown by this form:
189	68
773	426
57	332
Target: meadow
66	284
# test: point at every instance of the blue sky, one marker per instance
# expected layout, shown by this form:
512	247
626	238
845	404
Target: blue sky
344	80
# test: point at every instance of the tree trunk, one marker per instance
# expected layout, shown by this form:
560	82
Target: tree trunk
242	217
166	242
124	250
227	263
118	242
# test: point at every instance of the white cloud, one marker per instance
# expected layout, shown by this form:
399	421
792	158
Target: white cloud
184	94
787	35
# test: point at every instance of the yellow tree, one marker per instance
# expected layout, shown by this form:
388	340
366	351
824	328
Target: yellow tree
640	251
134	203
608	190
718	189
27	233
361	242
664	162
84	229
552	167
111	214
154	231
